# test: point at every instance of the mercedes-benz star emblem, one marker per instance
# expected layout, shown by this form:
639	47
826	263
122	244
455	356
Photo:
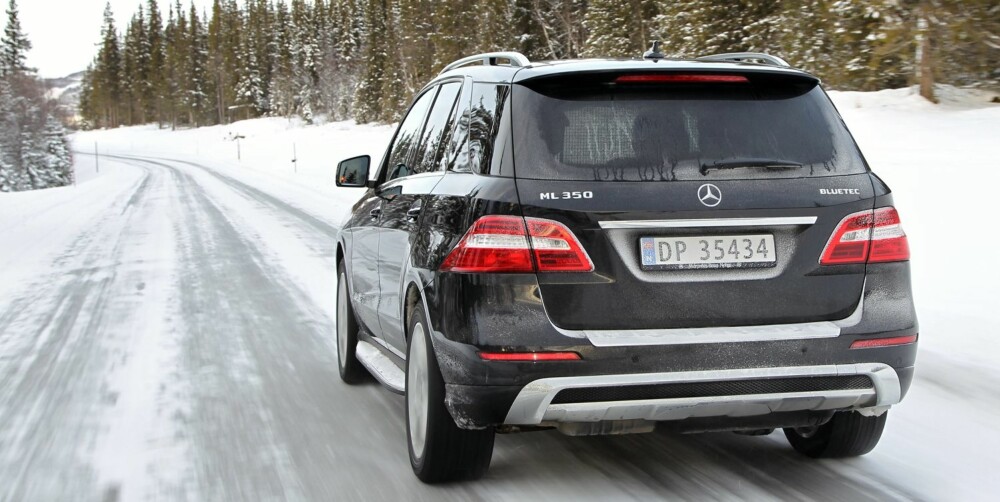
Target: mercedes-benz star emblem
709	195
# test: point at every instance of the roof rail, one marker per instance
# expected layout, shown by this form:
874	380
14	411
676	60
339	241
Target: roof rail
740	57
515	59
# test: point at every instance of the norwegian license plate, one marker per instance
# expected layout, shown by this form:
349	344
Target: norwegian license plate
712	251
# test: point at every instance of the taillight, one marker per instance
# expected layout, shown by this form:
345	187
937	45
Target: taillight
504	244
888	239
680	78
867	237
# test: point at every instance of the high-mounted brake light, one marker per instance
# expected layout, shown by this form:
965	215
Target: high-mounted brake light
867	237
529	356
680	78
511	244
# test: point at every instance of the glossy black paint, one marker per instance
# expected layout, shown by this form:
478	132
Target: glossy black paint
402	229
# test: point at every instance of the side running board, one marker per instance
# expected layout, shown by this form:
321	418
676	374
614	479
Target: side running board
379	365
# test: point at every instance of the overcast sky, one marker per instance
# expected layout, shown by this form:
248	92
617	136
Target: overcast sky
65	33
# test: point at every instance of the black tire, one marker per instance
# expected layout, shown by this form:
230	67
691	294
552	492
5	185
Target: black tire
847	434
351	371
447	452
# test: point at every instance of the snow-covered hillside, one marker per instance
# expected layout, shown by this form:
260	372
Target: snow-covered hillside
166	332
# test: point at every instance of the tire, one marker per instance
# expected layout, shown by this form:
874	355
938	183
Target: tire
440	451
847	434
351	371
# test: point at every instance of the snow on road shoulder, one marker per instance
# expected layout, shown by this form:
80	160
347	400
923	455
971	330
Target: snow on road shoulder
36	226
266	149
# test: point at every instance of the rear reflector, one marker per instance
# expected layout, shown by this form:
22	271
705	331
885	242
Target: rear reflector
867	237
529	356
883	342
680	78
511	244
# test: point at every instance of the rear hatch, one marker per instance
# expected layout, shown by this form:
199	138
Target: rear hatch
703	199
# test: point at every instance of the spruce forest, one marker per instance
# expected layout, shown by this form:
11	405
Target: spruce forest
34	152
364	59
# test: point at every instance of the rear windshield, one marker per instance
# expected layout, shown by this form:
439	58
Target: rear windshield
603	131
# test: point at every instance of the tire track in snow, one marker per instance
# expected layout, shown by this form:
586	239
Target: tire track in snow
61	343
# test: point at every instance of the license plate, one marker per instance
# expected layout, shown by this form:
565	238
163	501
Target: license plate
713	251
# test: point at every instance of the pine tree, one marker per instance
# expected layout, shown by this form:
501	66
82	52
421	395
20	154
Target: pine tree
494	33
107	72
453	40
617	29
30	156
197	78
133	65
14	45
156	89
368	97
715	26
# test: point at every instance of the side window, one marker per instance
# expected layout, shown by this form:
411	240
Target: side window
406	138
438	127
488	103
456	155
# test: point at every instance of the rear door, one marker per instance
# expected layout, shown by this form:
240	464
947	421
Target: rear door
702	202
403	201
369	215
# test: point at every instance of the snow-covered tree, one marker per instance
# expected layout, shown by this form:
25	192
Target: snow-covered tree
618	28
14	45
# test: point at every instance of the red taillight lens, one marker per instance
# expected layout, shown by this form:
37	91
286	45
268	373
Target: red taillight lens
529	356
493	244
883	342
889	242
556	248
504	244
867	237
680	78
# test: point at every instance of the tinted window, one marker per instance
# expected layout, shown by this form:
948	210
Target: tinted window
663	133
406	137
439	123
456	155
488	101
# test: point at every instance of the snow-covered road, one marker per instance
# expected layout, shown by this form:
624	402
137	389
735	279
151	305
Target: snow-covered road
166	332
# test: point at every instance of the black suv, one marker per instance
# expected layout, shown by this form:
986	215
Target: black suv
604	246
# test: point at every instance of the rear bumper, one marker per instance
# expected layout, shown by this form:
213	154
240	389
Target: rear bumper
510	316
534	403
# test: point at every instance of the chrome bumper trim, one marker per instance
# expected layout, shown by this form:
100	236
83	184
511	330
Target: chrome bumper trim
533	404
710	222
730	334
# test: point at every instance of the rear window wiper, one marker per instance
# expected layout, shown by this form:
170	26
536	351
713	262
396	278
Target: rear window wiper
773	164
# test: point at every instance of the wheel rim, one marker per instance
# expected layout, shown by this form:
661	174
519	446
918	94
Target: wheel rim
416	390
341	320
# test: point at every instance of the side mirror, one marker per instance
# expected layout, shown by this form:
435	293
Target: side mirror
354	172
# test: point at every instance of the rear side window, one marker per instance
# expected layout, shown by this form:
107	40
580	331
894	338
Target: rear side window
613	132
488	104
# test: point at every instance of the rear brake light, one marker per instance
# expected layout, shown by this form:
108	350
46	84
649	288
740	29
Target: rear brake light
883	342
529	356
867	237
680	78
513	244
